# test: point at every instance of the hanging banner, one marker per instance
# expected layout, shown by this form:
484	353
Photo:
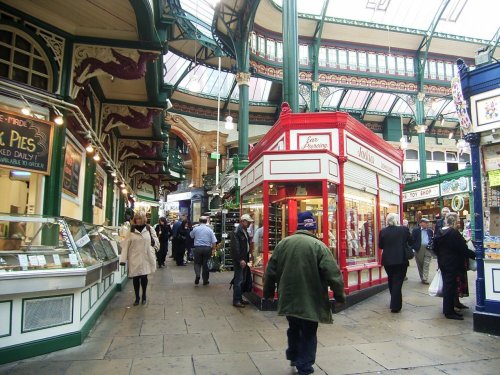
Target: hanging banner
25	143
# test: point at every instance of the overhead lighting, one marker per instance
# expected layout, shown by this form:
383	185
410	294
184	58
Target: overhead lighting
26	110
229	123
113	174
124	191
59	119
122	185
89	148
97	157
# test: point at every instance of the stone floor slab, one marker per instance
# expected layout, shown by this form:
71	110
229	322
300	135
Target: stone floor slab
187	345
175	325
102	367
38	367
163	366
136	347
476	367
332	361
110	328
225	364
92	348
208	324
240	342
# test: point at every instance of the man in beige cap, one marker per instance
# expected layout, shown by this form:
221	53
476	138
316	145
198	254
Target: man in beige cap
421	237
240	247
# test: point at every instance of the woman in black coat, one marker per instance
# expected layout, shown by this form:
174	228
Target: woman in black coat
393	240
452	254
163	231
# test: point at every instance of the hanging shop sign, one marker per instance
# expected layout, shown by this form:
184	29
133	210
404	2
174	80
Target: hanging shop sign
315	141
421	194
179	197
457	203
485	109
71	171
494	178
459	185
25	143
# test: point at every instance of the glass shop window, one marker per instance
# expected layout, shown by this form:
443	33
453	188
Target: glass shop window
440	70
279	51
400	61
391	64
253	42
386	209
464	158
332	58
322	57
382	66
303	55
342	59
270	49
362	61
353	60
411	155
410	70
451	156
372	62
361	230
261	47
438	156
428	155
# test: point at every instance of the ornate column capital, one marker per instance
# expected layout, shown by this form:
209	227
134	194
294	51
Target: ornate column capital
421	129
473	139
315	86
243	78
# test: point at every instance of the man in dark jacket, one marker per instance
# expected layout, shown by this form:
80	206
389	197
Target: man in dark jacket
421	237
240	247
303	267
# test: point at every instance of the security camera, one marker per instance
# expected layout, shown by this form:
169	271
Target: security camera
169	104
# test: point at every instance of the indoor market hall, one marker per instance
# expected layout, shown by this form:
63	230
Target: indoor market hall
213	187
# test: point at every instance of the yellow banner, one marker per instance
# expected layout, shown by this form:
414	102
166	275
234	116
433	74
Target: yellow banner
494	177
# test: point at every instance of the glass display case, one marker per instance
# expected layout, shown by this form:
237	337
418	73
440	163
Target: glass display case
73	252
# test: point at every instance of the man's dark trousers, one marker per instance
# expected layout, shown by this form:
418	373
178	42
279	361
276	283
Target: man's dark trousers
302	343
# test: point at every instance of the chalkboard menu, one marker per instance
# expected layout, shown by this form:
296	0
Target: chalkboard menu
99	189
25	143
71	173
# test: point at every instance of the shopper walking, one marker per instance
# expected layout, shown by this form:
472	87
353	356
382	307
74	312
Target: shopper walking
440	223
139	254
393	240
240	253
452	253
204	248
163	232
420	238
303	267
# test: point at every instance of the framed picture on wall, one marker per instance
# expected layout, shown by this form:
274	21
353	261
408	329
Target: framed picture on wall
71	171
485	109
99	189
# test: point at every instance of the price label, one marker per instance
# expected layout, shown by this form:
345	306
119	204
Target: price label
33	260
83	241
23	261
41	260
73	259
57	259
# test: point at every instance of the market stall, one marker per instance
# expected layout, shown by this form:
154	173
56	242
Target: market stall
332	165
56	276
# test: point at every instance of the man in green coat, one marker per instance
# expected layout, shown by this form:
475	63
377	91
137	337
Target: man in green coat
304	268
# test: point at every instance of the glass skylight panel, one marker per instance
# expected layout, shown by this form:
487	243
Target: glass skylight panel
174	67
202	10
381	102
258	91
332	100
355	99
402	107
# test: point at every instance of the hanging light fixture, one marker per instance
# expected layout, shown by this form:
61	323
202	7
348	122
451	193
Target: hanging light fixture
124	191
122	185
89	148
26	110
403	141
229	121
113	173
96	157
59	119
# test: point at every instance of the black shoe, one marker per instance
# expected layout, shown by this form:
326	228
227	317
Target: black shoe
245	302
454	317
292	363
136	302
197	280
144	301
238	304
461	306
395	311
206	282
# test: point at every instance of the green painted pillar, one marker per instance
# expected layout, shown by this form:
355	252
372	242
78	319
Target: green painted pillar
243	80
88	190
154	215
53	185
121	209
110	196
291	58
421	129
313	52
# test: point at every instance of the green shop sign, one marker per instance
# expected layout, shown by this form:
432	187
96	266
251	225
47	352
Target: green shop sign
25	143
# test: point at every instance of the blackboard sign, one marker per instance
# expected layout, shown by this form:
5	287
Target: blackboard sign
25	143
72	166
99	189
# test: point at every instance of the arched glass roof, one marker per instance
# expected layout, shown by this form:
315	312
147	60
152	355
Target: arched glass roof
469	18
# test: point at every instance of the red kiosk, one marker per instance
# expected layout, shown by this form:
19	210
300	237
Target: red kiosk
330	164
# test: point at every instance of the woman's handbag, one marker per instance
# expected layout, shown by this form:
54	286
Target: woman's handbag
436	287
409	252
472	265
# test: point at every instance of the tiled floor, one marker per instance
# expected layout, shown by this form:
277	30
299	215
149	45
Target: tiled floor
186	329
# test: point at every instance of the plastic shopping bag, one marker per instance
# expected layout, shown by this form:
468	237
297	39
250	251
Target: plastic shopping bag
436	287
